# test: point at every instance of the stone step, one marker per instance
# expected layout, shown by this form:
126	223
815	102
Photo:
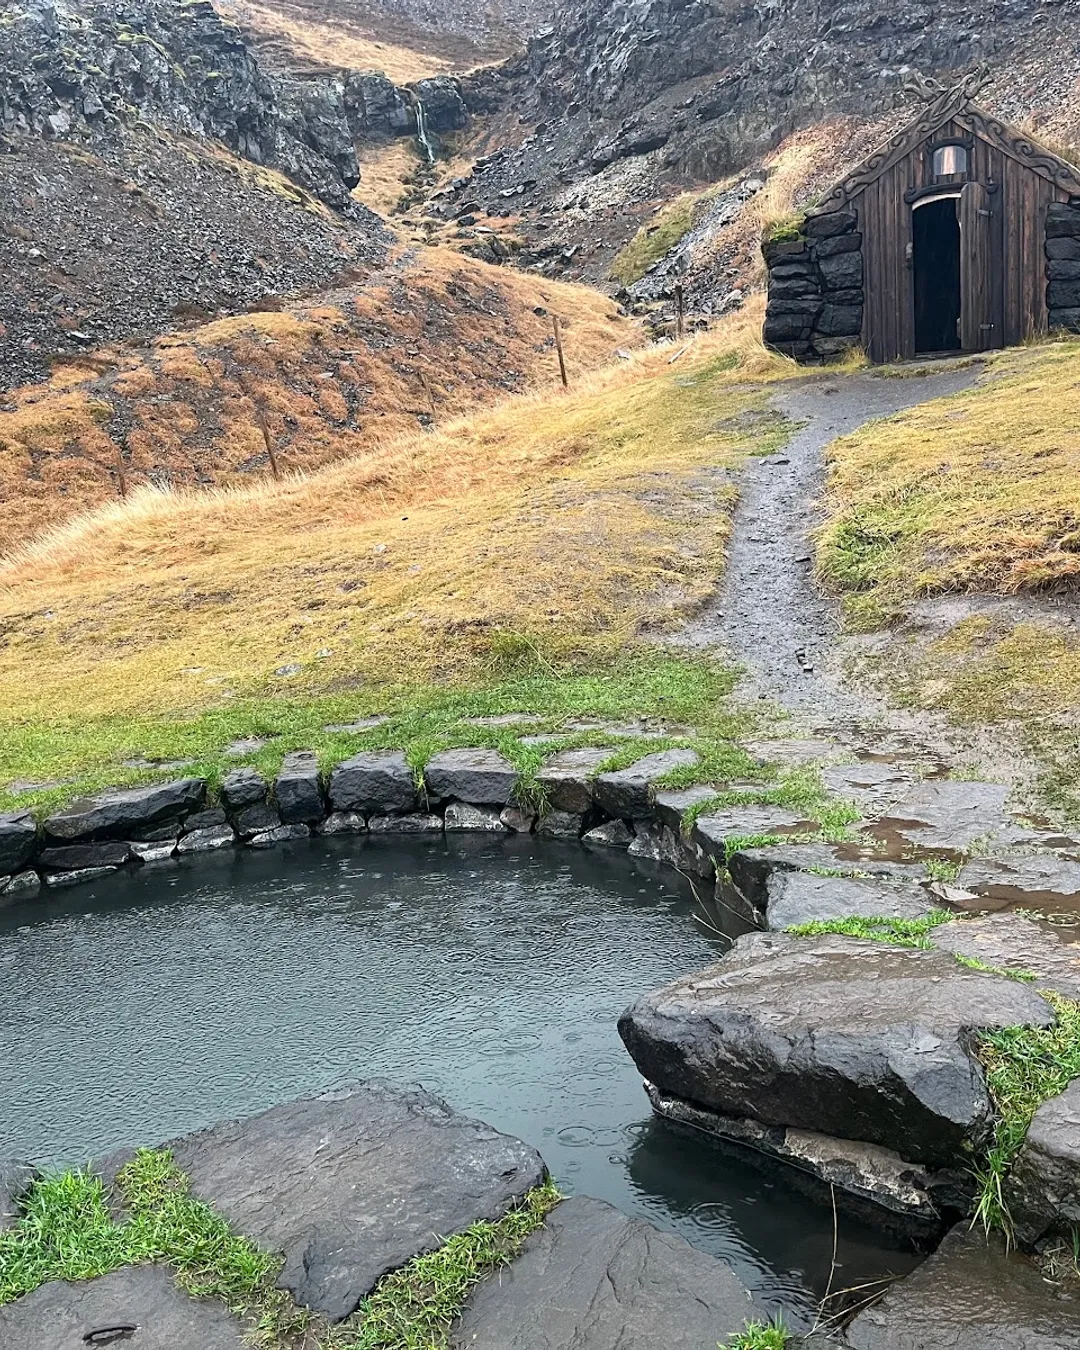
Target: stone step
1011	942
751	868
1035	880
793	898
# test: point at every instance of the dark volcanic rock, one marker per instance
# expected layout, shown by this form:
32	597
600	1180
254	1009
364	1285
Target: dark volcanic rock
561	824
119	815
751	868
374	780
242	787
1011	942
16	1178
1048	879
420	823
298	790
75	856
145	1300
256	819
566	778
672	804
594	1279
354	1183
970	1295
461	816
18	839
280	834
626	792
1043	1188
803	897
204	820
206	841
857	1039
479	777
951	816
715	832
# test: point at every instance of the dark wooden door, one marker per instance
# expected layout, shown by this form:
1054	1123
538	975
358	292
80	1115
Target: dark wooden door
980	327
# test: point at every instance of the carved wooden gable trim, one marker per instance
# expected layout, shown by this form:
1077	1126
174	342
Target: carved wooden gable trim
951	105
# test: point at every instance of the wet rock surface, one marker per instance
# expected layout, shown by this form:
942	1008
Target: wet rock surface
18	839
860	1040
593	1279
16	1177
951	816
1010	942
566	778
626	792
970	1295
300	1177
117	815
752	868
374	780
1043	1188
715	833
793	898
481	777
141	1305
298	789
1046	880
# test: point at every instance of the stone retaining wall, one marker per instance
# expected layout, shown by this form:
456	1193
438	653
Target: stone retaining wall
815	307
1063	266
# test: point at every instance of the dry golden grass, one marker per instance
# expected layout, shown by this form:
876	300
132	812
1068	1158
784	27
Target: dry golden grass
430	337
980	492
571	522
385	174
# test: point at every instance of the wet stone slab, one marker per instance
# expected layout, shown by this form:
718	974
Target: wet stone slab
479	777
794	898
861	1040
1043	1188
953	817
971	1295
871	786
566	778
1043	880
716	832
751	868
626	792
594	1279
1011	942
141	1306
352	1184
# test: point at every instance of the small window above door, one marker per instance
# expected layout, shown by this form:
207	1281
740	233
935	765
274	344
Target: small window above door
950	161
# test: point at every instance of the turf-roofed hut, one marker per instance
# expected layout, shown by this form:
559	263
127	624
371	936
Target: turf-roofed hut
960	234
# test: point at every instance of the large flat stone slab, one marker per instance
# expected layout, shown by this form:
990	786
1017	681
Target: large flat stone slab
626	792
950	816
862	1040
479	777
141	1305
872	785
793	898
1010	942
1043	880
715	833
379	781
970	1295
594	1279
566	778
119	815
1043	1188
352	1184
751	868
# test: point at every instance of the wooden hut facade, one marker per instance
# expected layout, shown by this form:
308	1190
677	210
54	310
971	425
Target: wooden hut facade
960	234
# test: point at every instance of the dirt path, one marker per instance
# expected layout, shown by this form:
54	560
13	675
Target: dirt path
770	616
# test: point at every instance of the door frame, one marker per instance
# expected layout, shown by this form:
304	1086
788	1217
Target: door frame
951	190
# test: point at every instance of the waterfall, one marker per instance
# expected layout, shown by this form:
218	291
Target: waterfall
422	132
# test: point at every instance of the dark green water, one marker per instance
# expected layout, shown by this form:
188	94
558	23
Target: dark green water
492	972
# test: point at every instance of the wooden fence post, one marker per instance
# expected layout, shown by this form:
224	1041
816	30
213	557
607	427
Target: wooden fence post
559	348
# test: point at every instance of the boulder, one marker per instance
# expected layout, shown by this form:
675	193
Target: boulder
412	824
1011	942
344	822
751	868
521	822
142	1305
1051	880
648	841
626	792
204	820
16	1178
152	853
280	834
1043	1188
612	834
256	819
479	777
715	832
122	814
793	898
566	778
841	271
461	816
20	886
863	1040
298	791
18	841
671	804
374	780
76	856
595	1279
206	841
561	824
971	1294
353	1183
242	787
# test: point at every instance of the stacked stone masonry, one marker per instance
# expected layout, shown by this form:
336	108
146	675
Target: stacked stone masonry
1063	266
815	309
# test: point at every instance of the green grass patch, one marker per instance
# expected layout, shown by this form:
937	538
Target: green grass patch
942	869
899	932
1025	1066
757	1335
973	963
666	229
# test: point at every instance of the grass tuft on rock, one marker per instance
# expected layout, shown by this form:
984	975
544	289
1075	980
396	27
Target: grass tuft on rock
758	1335
1025	1066
899	932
